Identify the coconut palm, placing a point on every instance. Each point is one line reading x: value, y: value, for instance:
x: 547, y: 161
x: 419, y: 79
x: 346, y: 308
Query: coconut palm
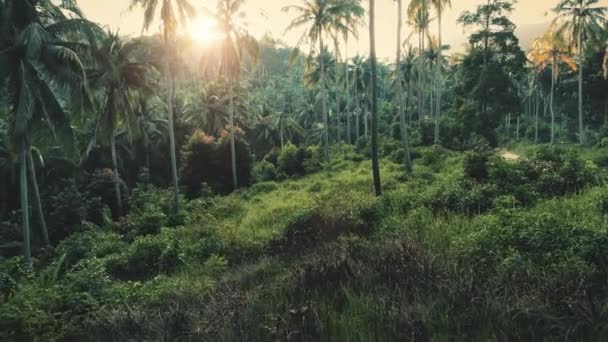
x: 582, y: 21
x: 551, y: 49
x: 374, y: 90
x: 39, y: 68
x: 345, y: 26
x: 399, y: 84
x: 419, y: 20
x: 320, y: 18
x: 172, y: 12
x: 118, y: 74
x: 440, y: 7
x: 236, y: 43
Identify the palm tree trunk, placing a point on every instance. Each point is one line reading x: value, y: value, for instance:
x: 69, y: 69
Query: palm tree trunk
x: 235, y: 182
x: 537, y: 110
x: 581, y: 126
x: 337, y: 84
x: 374, y: 109
x: 420, y: 67
x: 404, y: 130
x: 439, y: 80
x: 115, y: 174
x: 281, y: 124
x: 25, y: 206
x: 551, y: 100
x: 324, y: 101
x: 347, y: 88
x: 37, y: 200
x: 170, y: 98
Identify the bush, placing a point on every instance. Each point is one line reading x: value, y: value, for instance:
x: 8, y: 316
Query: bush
x: 100, y: 184
x: 264, y: 172
x: 146, y: 257
x: 297, y: 161
x: 205, y: 160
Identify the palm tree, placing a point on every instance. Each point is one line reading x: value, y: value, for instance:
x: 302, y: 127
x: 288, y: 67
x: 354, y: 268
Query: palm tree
x: 39, y: 69
x: 420, y: 20
x: 171, y: 12
x: 399, y: 83
x: 551, y: 49
x: 345, y: 25
x: 374, y: 110
x: 582, y: 21
x: 236, y: 42
x: 440, y: 7
x: 119, y: 74
x: 321, y: 18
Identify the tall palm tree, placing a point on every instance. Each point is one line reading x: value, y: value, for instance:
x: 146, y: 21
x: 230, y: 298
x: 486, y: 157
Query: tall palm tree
x: 237, y: 41
x: 345, y: 26
x: 171, y: 13
x: 419, y: 20
x: 399, y: 82
x: 39, y: 68
x: 582, y: 21
x: 440, y: 7
x: 119, y: 75
x: 551, y: 49
x: 374, y: 110
x: 320, y: 18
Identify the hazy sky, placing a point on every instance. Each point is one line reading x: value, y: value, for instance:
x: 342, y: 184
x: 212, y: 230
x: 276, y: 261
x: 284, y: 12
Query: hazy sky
x: 264, y: 16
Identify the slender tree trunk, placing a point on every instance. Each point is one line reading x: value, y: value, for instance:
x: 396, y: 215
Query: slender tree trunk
x: 281, y: 130
x: 147, y: 147
x: 374, y: 110
x: 517, y: 130
x: 581, y: 125
x: 439, y: 78
x: 337, y: 85
x: 235, y: 180
x: 115, y: 174
x: 404, y: 128
x: 551, y: 102
x: 347, y: 88
x: 170, y: 114
x: 37, y: 200
x: 358, y: 123
x: 25, y: 206
x: 324, y: 101
x: 409, y: 101
x: 537, y: 110
x: 420, y: 73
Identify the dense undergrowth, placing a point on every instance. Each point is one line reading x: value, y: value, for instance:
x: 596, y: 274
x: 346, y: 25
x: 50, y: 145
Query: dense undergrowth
x: 468, y: 247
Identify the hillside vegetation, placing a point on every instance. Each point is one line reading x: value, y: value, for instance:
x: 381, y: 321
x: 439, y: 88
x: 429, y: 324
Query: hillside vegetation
x: 470, y: 246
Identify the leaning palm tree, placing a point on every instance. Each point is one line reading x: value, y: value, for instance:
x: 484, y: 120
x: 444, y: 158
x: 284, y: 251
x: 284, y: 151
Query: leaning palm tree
x: 320, y: 18
x: 118, y: 74
x: 399, y: 82
x: 237, y: 41
x: 583, y: 22
x: 551, y: 49
x: 171, y: 13
x: 39, y: 69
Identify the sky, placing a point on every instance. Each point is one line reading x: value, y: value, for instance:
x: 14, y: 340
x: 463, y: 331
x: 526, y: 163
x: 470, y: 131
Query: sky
x: 265, y: 16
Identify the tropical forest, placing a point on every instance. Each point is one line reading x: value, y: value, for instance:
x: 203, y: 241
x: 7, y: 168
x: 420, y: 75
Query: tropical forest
x: 303, y: 170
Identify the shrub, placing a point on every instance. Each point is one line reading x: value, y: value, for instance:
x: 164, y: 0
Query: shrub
x: 100, y: 184
x: 264, y: 172
x: 146, y: 257
x: 205, y: 160
x: 297, y: 161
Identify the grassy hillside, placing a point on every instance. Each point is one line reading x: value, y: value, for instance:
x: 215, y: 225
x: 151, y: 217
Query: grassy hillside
x: 468, y: 247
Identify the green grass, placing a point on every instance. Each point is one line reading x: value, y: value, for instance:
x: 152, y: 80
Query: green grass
x: 320, y: 258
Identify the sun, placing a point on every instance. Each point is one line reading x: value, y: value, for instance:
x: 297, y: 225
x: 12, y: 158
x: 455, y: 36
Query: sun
x: 204, y: 30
